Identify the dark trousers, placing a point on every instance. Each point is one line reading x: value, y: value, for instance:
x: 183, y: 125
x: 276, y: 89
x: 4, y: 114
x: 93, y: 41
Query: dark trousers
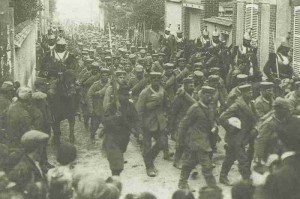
x: 191, y: 159
x: 150, y: 151
x: 233, y: 153
x: 95, y: 122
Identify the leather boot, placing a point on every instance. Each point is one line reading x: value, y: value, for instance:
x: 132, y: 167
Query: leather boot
x: 184, y: 176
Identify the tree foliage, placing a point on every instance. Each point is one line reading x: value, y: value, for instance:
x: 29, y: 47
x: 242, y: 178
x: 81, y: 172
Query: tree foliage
x: 126, y: 13
x: 25, y: 9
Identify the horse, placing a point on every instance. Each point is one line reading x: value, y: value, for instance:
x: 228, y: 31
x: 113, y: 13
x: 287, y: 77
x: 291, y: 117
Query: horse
x: 63, y: 103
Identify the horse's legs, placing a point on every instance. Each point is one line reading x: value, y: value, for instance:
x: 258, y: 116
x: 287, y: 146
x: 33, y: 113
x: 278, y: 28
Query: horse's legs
x: 56, y: 133
x: 71, y: 121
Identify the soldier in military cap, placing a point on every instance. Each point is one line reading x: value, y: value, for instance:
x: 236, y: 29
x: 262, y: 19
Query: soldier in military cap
x: 182, y: 101
x: 95, y: 97
x: 137, y: 83
x: 28, y: 170
x: 194, y: 130
x: 151, y: 107
x: 118, y: 124
x: 203, y: 41
x: 264, y: 103
x: 108, y: 61
x: 199, y: 79
x: 239, y: 121
x: 235, y: 92
x: 158, y: 65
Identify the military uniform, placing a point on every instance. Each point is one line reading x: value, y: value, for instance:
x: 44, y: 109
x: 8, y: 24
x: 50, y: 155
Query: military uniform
x: 194, y: 131
x: 95, y: 98
x: 151, y: 107
x: 236, y: 138
x: 117, y: 130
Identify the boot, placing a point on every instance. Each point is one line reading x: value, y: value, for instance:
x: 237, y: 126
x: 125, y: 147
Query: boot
x: 177, y: 157
x: 151, y: 172
x: 224, y: 180
x: 184, y: 176
x: 168, y: 155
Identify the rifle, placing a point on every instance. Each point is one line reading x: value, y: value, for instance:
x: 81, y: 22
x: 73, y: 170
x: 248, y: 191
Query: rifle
x: 115, y: 99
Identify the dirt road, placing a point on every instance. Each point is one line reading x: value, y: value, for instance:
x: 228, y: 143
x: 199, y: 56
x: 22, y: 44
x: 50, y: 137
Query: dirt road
x: 134, y: 177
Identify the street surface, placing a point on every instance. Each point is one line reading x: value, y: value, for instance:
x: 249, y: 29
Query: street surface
x: 134, y: 177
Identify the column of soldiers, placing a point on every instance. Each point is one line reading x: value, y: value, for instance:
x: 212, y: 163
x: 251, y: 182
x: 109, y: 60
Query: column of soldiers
x: 157, y: 95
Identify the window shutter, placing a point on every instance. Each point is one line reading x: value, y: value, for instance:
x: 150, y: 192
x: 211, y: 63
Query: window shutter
x: 251, y: 20
x: 296, y: 42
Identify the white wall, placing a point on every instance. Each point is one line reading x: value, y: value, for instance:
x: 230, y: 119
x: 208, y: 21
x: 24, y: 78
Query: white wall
x: 195, y: 20
x: 173, y: 15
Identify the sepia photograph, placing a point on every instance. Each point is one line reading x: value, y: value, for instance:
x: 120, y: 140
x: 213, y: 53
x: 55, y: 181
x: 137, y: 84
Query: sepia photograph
x: 149, y: 99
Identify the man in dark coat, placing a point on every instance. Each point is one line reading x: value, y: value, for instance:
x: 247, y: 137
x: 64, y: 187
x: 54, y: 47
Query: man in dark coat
x: 6, y: 95
x: 239, y: 121
x: 152, y: 108
x: 118, y: 125
x: 28, y: 170
x: 194, y: 131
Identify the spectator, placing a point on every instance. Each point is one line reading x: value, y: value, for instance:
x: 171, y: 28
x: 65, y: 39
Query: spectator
x: 146, y: 195
x: 242, y: 190
x: 60, y: 177
x: 183, y: 194
x: 212, y: 192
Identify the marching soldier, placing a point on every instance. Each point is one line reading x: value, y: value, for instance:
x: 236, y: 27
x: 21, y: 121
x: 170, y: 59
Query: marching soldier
x: 137, y: 83
x: 264, y: 103
x: 235, y: 92
x: 158, y: 66
x: 151, y: 107
x: 194, y: 130
x: 183, y: 100
x: 118, y: 124
x: 95, y: 98
x: 239, y: 121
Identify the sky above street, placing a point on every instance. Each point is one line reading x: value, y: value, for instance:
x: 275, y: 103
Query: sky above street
x: 77, y: 10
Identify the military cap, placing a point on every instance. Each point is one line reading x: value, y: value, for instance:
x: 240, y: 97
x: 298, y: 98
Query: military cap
x: 107, y: 52
x: 179, y: 32
x: 154, y: 55
x: 155, y: 74
x: 214, y: 70
x: 266, y: 85
x: 120, y: 73
x: 132, y: 56
x: 89, y: 61
x: 24, y: 93
x: 33, y: 139
x: 297, y: 84
x: 7, y: 86
x: 95, y: 65
x: 116, y: 56
x: 62, y: 41
x: 132, y: 47
x: 245, y: 88
x: 181, y: 59
x: 85, y: 49
x: 208, y: 89
x: 139, y: 68
x: 161, y: 54
x: 142, y: 51
x: 51, y: 36
x: 213, y: 78
x: 198, y: 64
x: 104, y: 70
x: 198, y: 73
x: 80, y: 44
x: 169, y: 66
x: 108, y: 58
x: 188, y: 80
x: 281, y: 103
x: 242, y: 76
x: 91, y: 50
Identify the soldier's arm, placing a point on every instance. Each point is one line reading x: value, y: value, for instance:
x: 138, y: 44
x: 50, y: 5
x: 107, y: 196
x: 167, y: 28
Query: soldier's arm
x: 259, y: 109
x: 141, y: 104
x: 101, y: 92
x: 107, y: 98
x: 185, y: 123
x: 230, y: 112
x: 89, y: 97
x: 264, y: 134
x: 175, y: 109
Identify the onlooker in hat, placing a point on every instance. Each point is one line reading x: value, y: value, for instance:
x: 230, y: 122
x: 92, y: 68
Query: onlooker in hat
x: 60, y: 177
x: 19, y: 117
x: 146, y: 195
x: 28, y: 170
x: 242, y: 190
x: 213, y: 192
